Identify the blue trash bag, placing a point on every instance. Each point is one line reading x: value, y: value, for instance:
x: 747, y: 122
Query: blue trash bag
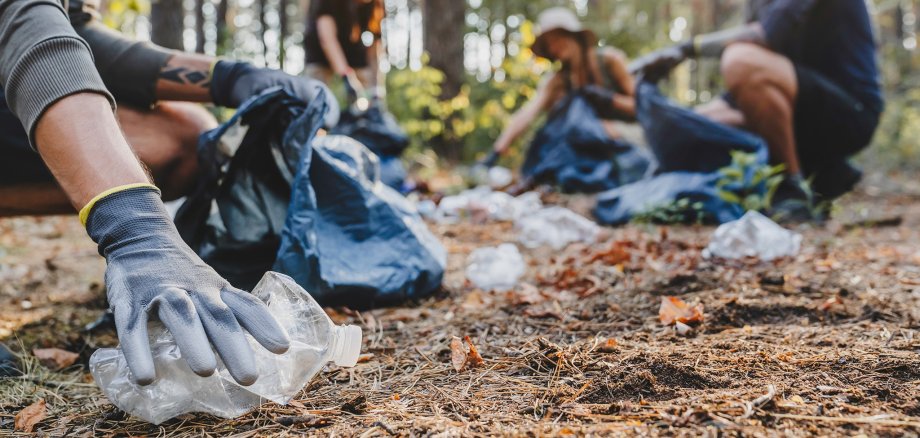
x: 393, y: 173
x: 378, y: 130
x: 689, y: 150
x: 262, y: 181
x: 574, y: 151
x: 351, y: 240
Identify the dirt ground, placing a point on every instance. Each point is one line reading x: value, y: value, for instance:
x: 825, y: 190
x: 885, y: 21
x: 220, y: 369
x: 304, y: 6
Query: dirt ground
x: 827, y: 343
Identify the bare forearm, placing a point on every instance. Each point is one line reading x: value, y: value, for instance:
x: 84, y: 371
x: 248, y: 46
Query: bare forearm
x: 86, y: 162
x: 515, y: 128
x: 328, y: 39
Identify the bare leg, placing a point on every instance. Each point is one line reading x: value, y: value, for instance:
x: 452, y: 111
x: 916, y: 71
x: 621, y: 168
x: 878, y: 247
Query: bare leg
x: 164, y: 139
x: 764, y: 86
x: 720, y: 111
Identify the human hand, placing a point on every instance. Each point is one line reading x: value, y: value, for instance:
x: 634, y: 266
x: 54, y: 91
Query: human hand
x: 658, y: 64
x: 150, y: 270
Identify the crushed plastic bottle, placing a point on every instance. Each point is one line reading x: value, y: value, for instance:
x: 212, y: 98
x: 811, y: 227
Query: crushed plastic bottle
x: 556, y: 227
x: 754, y: 235
x: 315, y: 341
x: 500, y: 177
x: 493, y: 268
x: 498, y: 206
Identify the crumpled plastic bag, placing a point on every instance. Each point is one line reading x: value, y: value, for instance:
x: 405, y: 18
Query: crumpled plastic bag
x: 498, y: 206
x: 315, y: 341
x: 754, y: 235
x: 556, y: 227
x: 495, y: 268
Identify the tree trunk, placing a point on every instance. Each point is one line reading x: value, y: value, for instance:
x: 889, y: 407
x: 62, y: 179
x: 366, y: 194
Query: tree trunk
x: 199, y: 26
x: 223, y: 33
x: 444, y: 22
x: 166, y: 25
x: 282, y: 31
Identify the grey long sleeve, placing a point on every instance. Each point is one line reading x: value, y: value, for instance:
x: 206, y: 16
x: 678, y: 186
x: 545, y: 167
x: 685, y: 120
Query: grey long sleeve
x: 42, y: 60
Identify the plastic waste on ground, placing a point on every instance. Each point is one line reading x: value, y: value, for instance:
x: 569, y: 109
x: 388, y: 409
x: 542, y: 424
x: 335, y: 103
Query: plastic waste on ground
x: 377, y: 129
x: 689, y: 151
x: 754, y: 235
x: 493, y: 205
x: 495, y: 268
x: 315, y: 342
x: 556, y: 227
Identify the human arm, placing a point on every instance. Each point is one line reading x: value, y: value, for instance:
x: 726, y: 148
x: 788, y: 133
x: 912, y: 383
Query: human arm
x: 524, y: 117
x: 619, y: 104
x: 54, y: 89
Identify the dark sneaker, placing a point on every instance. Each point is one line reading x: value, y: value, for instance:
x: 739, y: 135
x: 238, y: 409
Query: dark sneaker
x: 793, y: 202
x: 9, y: 364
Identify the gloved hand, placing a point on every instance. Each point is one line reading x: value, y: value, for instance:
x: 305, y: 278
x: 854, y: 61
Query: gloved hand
x: 599, y: 97
x: 490, y: 160
x: 658, y: 64
x: 232, y: 83
x: 152, y: 271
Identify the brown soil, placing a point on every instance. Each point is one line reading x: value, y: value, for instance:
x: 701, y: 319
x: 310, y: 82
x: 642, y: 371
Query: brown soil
x: 827, y: 343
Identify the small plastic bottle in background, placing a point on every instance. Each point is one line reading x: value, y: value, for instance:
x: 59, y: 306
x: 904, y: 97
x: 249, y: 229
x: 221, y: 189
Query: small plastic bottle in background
x: 315, y: 341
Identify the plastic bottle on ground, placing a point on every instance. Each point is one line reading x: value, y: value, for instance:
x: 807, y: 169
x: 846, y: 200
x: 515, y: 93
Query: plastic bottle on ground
x: 315, y: 341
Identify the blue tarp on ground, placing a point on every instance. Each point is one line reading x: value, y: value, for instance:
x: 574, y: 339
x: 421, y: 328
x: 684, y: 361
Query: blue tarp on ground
x: 273, y: 198
x: 575, y: 152
x: 689, y: 150
x: 378, y: 130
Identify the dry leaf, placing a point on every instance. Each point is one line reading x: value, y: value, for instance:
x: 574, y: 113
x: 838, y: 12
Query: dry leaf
x: 610, y: 346
x: 674, y: 310
x: 27, y: 418
x: 458, y: 354
x: 55, y: 358
x: 473, y: 358
x: 825, y: 306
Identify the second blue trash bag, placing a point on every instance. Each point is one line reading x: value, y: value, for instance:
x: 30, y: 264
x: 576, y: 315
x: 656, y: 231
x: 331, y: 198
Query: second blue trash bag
x: 574, y: 151
x: 269, y: 200
x: 689, y: 150
x: 378, y: 130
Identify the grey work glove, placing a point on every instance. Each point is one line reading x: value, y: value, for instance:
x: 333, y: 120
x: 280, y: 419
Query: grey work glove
x: 152, y: 271
x: 233, y: 83
x: 658, y: 64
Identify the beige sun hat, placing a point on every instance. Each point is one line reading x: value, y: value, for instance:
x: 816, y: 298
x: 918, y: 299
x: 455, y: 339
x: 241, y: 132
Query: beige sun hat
x: 559, y: 19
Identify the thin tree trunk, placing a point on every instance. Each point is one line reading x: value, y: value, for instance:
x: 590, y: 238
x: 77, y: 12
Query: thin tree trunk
x: 444, y: 21
x: 282, y: 30
x: 166, y: 18
x: 263, y: 26
x: 223, y: 34
x: 199, y: 26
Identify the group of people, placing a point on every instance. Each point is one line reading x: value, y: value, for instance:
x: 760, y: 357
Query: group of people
x: 94, y: 122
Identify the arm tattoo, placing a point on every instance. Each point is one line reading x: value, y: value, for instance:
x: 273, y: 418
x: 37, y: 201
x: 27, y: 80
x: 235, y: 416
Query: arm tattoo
x: 186, y: 76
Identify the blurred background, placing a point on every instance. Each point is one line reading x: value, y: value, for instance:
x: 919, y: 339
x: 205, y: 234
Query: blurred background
x: 457, y: 69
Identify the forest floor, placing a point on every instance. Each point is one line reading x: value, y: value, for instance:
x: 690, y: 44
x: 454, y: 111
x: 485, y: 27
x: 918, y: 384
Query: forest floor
x: 827, y: 343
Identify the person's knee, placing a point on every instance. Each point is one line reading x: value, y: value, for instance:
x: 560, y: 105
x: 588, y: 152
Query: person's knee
x: 187, y: 121
x: 749, y: 67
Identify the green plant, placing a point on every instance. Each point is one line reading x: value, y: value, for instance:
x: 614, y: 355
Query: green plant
x: 681, y: 211
x: 748, y: 184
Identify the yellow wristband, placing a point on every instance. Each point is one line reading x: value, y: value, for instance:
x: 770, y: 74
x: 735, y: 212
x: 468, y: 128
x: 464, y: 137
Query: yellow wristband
x: 697, y: 45
x: 85, y: 211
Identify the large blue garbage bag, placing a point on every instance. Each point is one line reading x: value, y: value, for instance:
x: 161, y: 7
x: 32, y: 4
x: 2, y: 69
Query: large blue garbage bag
x: 350, y: 239
x: 378, y: 130
x: 269, y: 201
x: 574, y: 151
x: 689, y: 150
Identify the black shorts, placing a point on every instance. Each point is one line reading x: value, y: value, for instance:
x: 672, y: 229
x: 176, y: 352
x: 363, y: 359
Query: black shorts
x: 19, y: 163
x: 830, y: 123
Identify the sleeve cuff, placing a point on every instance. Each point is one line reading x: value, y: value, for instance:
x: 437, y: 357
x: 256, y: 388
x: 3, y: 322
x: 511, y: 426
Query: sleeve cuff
x: 48, y: 72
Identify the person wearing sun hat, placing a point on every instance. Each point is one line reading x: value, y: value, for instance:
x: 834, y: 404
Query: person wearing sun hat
x: 600, y: 73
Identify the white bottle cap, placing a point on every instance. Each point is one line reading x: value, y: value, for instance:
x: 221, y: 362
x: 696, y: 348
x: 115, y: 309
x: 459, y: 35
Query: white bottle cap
x: 347, y: 346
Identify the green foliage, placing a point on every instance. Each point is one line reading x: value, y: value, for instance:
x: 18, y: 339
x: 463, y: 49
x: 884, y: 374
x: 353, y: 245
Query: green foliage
x: 681, y: 211
x: 897, y: 141
x: 744, y: 183
x: 747, y: 184
x: 473, y: 118
x: 122, y: 15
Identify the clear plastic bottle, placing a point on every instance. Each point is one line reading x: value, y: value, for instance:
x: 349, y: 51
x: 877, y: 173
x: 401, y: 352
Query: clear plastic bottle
x: 315, y: 341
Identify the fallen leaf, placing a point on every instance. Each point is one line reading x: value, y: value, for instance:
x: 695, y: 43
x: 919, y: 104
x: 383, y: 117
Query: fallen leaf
x: 609, y: 346
x: 458, y: 354
x: 675, y: 310
x: 27, y: 418
x: 825, y: 306
x: 682, y: 329
x: 55, y: 358
x: 473, y: 358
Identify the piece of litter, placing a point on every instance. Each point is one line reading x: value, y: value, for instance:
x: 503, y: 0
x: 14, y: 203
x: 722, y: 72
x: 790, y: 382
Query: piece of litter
x: 682, y: 329
x: 315, y: 341
x: 556, y: 227
x: 495, y: 268
x: 754, y: 235
x: 675, y: 310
